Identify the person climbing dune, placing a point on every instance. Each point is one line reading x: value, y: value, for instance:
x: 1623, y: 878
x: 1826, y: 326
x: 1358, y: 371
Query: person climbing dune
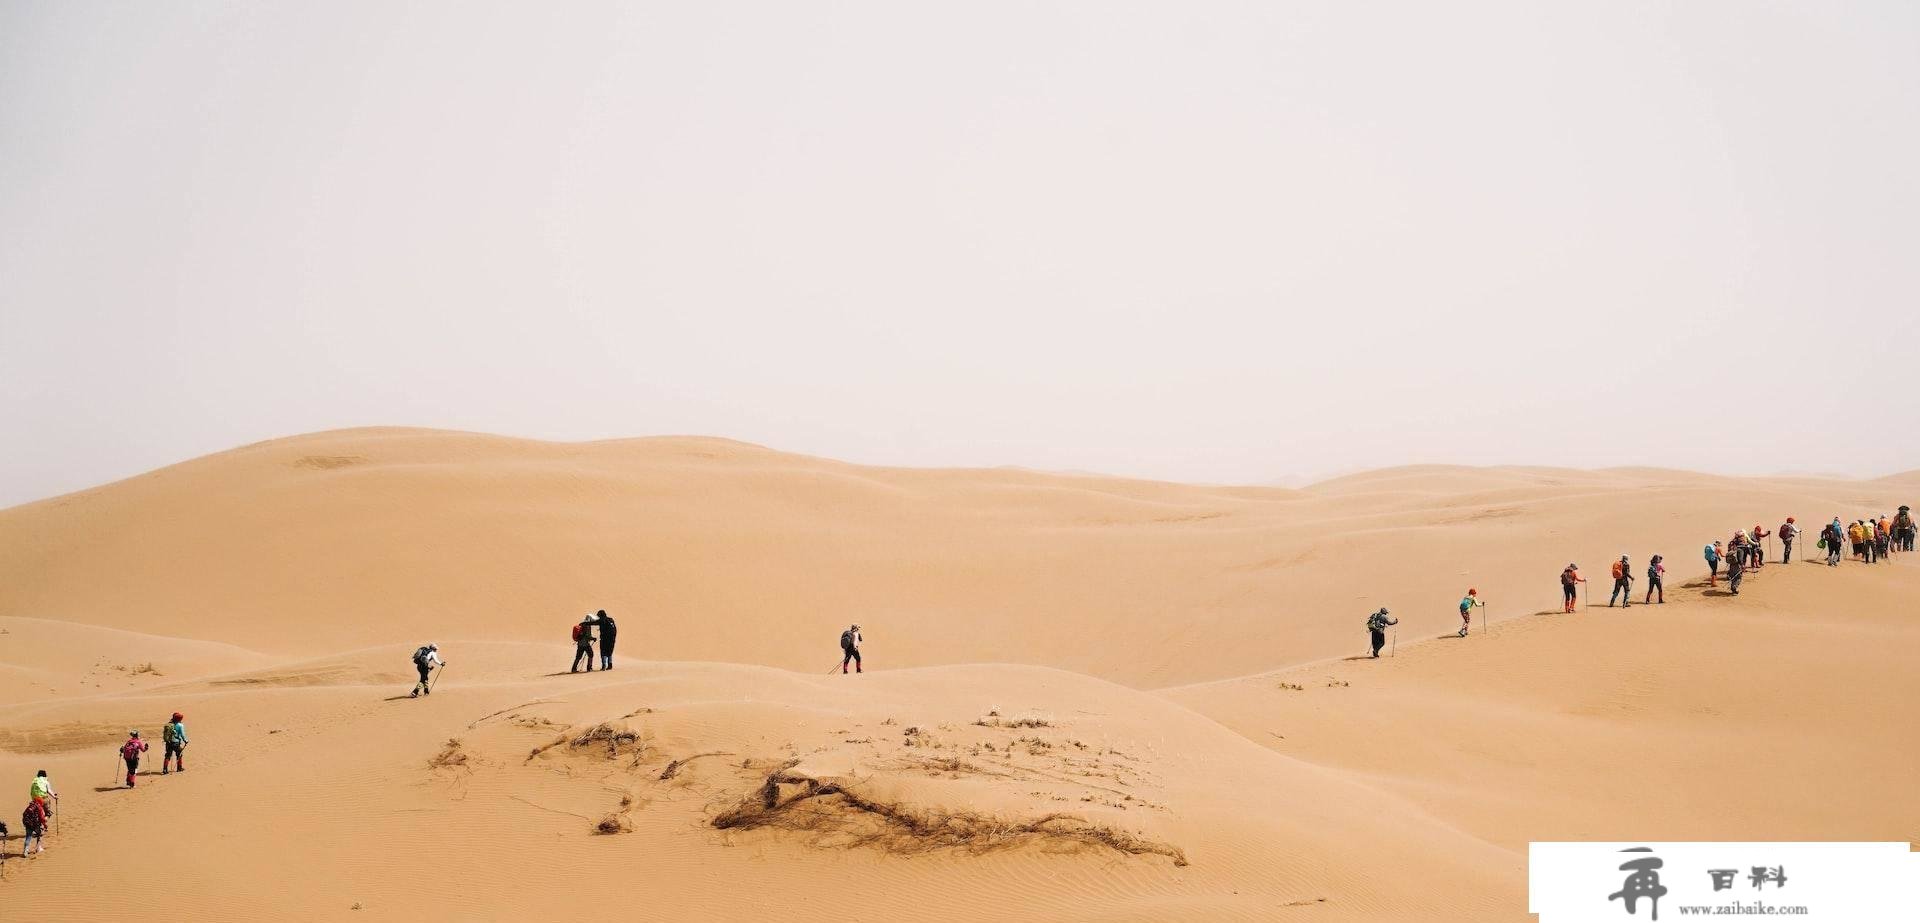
x: 1467, y: 604
x: 425, y: 658
x: 1377, y: 629
x: 1570, y: 581
x: 34, y: 822
x: 1622, y: 584
x: 1788, y: 532
x: 850, y: 641
x: 130, y: 751
x: 1713, y: 555
x: 173, y: 740
x: 609, y: 632
x: 1656, y: 572
x: 583, y: 645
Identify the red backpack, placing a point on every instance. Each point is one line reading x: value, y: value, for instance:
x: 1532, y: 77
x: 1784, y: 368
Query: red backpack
x: 132, y: 748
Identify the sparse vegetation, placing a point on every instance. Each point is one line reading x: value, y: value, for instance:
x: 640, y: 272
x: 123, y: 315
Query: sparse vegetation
x: 839, y: 816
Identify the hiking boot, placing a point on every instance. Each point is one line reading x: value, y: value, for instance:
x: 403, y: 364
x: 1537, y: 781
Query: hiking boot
x: 1463, y: 632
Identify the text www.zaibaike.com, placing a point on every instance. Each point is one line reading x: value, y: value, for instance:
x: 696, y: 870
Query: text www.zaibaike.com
x: 1756, y: 908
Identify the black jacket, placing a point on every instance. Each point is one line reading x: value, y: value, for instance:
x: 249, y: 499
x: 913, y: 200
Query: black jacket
x: 608, y: 630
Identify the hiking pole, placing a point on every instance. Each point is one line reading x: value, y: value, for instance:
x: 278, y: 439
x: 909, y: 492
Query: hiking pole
x: 435, y: 677
x: 1395, y: 650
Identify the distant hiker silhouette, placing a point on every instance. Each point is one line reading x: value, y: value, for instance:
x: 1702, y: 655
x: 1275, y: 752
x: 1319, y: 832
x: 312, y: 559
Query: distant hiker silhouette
x: 608, y: 632
x: 583, y: 645
x: 850, y: 641
x: 425, y: 658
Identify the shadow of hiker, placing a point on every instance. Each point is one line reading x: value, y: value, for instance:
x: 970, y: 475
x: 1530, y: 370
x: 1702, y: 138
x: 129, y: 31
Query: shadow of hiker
x: 396, y: 698
x: 1361, y: 657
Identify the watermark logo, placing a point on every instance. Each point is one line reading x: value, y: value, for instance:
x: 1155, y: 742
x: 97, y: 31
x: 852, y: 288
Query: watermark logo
x: 1831, y: 881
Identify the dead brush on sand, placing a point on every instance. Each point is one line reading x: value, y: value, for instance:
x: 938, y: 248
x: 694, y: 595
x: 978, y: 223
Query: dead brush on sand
x: 617, y: 738
x: 449, y: 757
x: 1025, y: 721
x: 835, y: 815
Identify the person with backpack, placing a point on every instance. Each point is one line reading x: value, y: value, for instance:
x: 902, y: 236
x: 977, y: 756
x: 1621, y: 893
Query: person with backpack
x: 1758, y: 558
x: 1570, y: 581
x: 1903, y: 528
x: 1713, y: 564
x: 583, y: 645
x: 1377, y: 629
x: 173, y: 740
x: 1737, y: 564
x: 130, y: 751
x: 425, y: 658
x: 1788, y: 532
x: 1655, y: 571
x: 608, y: 633
x: 1622, y: 583
x: 850, y: 641
x: 34, y: 821
x: 1832, y: 536
x: 42, y: 791
x: 1467, y: 603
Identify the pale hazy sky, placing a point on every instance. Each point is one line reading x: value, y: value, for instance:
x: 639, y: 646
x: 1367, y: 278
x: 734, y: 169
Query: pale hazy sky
x: 1201, y: 241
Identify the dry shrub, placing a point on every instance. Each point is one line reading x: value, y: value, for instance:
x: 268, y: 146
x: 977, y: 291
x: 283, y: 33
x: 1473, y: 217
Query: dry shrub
x: 674, y: 767
x: 616, y: 738
x: 613, y: 824
x: 1030, y: 721
x: 449, y: 756
x: 836, y: 814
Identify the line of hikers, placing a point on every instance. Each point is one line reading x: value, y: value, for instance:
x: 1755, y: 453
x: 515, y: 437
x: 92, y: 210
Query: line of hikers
x: 43, y: 800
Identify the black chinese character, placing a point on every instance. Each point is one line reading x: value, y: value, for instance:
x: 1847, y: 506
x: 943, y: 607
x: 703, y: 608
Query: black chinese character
x: 1722, y: 878
x: 1644, y: 882
x: 1761, y: 875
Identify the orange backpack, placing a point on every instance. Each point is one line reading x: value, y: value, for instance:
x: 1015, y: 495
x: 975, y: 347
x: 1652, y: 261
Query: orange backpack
x: 1619, y: 569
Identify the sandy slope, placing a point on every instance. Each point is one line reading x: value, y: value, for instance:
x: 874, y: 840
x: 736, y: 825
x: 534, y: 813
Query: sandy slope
x: 274, y: 592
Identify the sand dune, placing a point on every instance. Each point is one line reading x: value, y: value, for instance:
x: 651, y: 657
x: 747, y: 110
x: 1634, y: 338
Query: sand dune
x: 1090, y: 698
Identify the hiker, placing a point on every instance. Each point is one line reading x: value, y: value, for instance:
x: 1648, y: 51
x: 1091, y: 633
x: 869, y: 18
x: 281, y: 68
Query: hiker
x: 1855, y: 542
x: 1903, y: 528
x: 608, y: 632
x: 1880, y: 539
x: 850, y: 641
x: 42, y: 791
x: 1377, y: 629
x: 1831, y: 536
x: 130, y: 751
x: 34, y: 820
x: 1758, y: 557
x: 425, y: 658
x: 1570, y: 580
x: 1737, y: 564
x: 1788, y: 532
x: 1737, y: 548
x: 1467, y: 603
x: 1622, y: 583
x: 1656, y: 571
x: 173, y: 740
x: 1713, y: 564
x: 583, y: 644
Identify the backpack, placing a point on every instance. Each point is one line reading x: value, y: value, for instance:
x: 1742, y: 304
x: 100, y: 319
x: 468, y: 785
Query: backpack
x: 846, y: 639
x: 170, y: 733
x: 420, y: 657
x: 1619, y: 569
x: 1376, y: 622
x: 30, y: 818
x: 1566, y: 578
x: 131, y: 749
x: 578, y: 630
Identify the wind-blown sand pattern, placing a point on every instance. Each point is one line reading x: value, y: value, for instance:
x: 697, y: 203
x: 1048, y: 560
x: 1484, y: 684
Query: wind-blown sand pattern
x: 1086, y: 698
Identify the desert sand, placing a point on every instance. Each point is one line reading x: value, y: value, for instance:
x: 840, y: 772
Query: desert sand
x: 1087, y: 698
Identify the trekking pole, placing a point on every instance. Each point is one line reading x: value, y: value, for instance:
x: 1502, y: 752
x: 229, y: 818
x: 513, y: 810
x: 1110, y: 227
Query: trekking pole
x: 435, y: 677
x: 1395, y: 651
